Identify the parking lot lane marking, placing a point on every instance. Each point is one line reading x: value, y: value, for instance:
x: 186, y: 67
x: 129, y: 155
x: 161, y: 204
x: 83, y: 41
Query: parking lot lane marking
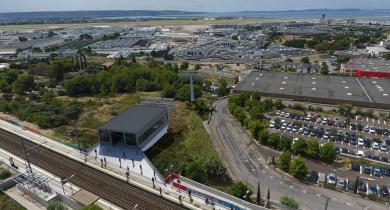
x: 291, y: 187
x: 373, y: 121
x: 367, y: 119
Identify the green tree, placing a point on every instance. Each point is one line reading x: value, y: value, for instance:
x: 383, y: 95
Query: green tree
x: 356, y: 186
x: 290, y: 202
x: 23, y: 84
x: 263, y: 137
x: 222, y: 88
x: 185, y: 66
x: 284, y: 160
x: 305, y: 60
x: 273, y: 140
x: 279, y: 104
x: 197, y: 67
x: 298, y: 168
x: 258, y: 196
x: 285, y: 143
x: 300, y: 146
x: 328, y: 152
x: 312, y: 149
x: 241, y: 190
x: 324, y: 68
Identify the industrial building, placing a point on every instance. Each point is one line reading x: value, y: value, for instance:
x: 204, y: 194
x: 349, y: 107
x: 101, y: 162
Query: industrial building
x: 363, y: 92
x: 208, y: 74
x: 140, y: 126
x: 367, y: 68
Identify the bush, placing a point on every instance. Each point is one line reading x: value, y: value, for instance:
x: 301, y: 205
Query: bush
x: 4, y: 173
x: 328, y: 153
x: 298, y: 168
x: 284, y: 161
x: 91, y: 207
x: 56, y: 205
x: 290, y: 202
x: 241, y: 190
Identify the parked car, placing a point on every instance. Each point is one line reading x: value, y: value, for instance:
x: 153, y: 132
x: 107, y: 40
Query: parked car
x: 321, y: 178
x: 369, y: 155
x: 383, y: 147
x: 384, y: 191
x: 367, y: 142
x: 341, y: 183
x: 375, y: 145
x: 350, y: 185
x: 360, y: 142
x: 312, y: 176
x: 386, y: 171
x: 377, y: 172
x: 366, y: 128
x: 301, y: 130
x: 355, y: 166
x: 331, y: 178
x: 284, y: 126
x: 367, y: 169
x: 362, y: 187
x: 372, y: 130
x: 272, y: 124
x: 372, y: 189
x: 360, y: 153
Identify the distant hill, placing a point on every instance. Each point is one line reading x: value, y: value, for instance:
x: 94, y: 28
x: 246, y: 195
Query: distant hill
x: 305, y: 10
x: 80, y: 16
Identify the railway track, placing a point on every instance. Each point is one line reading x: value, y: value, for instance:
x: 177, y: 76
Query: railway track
x: 107, y: 187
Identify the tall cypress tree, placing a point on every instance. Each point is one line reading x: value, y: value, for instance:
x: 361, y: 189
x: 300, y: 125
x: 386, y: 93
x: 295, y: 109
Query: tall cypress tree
x: 258, y: 193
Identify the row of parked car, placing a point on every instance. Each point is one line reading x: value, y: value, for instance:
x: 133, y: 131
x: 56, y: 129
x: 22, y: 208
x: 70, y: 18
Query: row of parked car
x: 334, y: 122
x: 331, y: 135
x: 369, y: 188
x: 362, y: 154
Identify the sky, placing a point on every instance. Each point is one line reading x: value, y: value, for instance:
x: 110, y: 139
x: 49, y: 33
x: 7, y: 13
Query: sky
x: 187, y: 5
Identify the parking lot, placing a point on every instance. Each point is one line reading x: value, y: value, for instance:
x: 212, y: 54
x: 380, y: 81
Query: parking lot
x: 365, y: 138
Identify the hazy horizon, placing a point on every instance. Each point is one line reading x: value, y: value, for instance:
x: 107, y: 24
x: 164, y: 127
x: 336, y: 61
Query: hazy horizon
x: 188, y: 5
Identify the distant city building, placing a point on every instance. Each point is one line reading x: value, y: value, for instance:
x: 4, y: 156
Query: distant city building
x: 367, y: 68
x: 230, y: 77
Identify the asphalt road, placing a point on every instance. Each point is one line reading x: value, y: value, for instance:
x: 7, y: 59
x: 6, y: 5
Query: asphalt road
x: 245, y: 161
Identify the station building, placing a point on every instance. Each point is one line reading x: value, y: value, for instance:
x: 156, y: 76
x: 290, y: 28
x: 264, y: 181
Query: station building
x: 140, y: 126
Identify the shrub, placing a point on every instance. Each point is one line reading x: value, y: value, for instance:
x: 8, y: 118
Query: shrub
x: 290, y: 202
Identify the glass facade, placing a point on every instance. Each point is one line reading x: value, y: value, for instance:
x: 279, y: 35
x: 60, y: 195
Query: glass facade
x: 131, y: 139
x: 104, y: 136
x: 151, y: 130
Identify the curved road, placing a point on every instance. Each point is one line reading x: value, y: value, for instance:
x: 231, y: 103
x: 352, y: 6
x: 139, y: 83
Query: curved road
x: 245, y: 162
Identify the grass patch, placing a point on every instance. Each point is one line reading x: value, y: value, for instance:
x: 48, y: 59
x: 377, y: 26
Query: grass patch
x: 7, y: 203
x: 187, y: 149
x: 96, y: 111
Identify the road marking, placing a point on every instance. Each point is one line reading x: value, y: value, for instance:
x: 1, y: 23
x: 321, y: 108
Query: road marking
x: 357, y: 79
x: 291, y: 187
x: 349, y: 204
x: 318, y: 195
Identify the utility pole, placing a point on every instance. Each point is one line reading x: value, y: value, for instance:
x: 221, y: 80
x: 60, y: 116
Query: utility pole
x: 26, y: 156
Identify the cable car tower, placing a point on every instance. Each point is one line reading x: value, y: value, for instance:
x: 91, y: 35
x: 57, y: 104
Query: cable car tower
x: 190, y: 75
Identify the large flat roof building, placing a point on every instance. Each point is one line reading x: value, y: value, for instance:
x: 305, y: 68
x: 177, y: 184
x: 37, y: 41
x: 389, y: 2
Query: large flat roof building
x: 140, y: 126
x: 364, y: 92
